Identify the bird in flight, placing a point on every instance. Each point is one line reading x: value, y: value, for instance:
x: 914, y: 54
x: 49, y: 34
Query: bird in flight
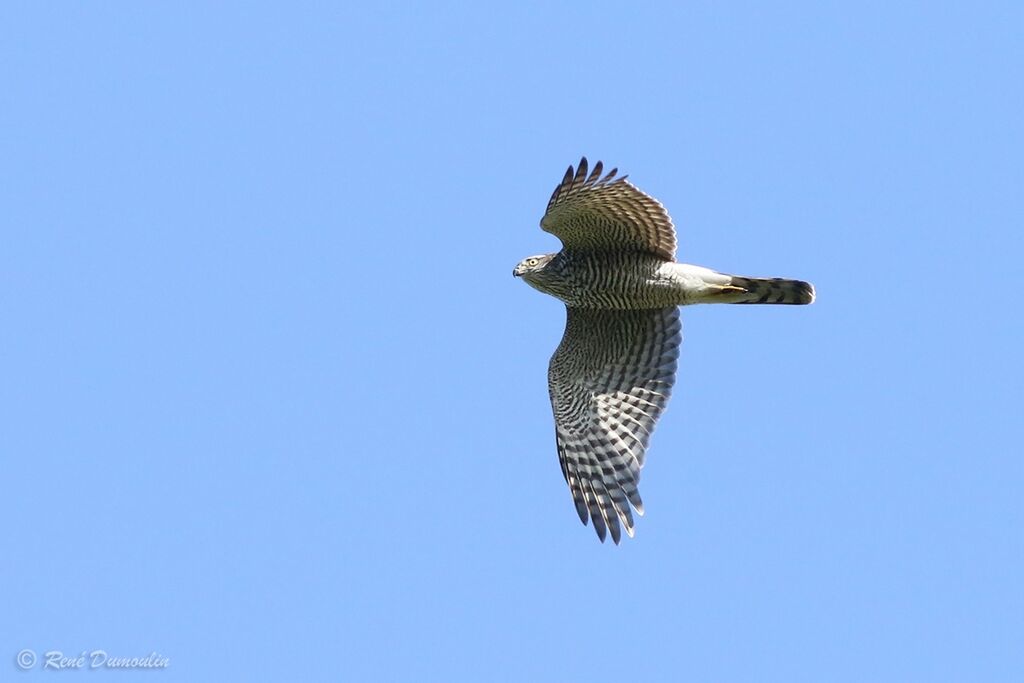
x: 611, y: 376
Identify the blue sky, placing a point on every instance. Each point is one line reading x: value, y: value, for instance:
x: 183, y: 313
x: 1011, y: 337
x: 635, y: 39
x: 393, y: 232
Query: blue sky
x: 274, y: 407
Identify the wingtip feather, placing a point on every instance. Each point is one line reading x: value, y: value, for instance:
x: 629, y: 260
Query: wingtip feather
x: 581, y: 172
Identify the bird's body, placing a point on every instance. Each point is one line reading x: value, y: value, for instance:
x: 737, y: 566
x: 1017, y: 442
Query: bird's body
x: 611, y: 377
x: 609, y: 279
x: 636, y: 280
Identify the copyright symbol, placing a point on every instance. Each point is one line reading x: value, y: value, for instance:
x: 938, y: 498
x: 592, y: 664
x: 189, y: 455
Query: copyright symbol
x: 26, y: 659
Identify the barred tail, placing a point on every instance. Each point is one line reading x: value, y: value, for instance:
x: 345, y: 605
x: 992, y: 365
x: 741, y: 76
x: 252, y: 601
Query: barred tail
x: 776, y: 290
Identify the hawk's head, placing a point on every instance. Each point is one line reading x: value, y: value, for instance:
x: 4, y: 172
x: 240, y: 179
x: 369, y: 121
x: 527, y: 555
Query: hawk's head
x: 532, y: 264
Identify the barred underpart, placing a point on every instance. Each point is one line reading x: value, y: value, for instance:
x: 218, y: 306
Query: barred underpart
x: 610, y: 380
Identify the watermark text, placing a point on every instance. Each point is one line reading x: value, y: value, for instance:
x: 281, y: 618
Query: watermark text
x: 56, y: 660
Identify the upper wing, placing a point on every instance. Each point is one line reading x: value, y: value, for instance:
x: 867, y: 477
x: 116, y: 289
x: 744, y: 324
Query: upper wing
x: 609, y: 381
x: 591, y: 212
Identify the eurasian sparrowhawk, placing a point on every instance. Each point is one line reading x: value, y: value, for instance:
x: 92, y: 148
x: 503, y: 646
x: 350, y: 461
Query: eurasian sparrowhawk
x: 612, y: 375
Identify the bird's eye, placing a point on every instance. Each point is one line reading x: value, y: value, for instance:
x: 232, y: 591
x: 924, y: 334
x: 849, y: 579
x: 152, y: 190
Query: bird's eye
x: 531, y: 262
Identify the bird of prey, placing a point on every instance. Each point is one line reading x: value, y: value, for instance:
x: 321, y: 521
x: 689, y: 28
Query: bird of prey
x: 611, y: 376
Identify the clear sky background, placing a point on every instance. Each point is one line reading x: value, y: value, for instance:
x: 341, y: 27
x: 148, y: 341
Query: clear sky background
x: 274, y: 407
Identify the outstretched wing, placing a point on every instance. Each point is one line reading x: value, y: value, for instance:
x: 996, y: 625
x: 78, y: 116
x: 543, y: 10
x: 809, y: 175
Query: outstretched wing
x: 609, y: 381
x: 595, y: 212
